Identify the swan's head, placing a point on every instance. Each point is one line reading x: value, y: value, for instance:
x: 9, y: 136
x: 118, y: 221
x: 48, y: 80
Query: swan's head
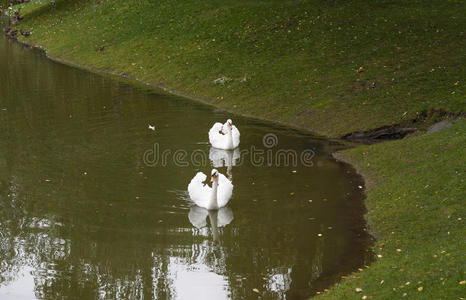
x: 230, y: 123
x: 214, y: 175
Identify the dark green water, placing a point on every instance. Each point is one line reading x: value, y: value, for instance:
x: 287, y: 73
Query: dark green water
x: 83, y: 216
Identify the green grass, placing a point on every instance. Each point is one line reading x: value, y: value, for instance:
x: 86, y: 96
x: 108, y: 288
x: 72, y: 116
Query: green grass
x: 416, y: 203
x: 299, y: 58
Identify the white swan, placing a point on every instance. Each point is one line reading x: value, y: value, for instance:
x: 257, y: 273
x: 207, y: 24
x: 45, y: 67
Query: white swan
x: 224, y: 136
x: 208, y: 197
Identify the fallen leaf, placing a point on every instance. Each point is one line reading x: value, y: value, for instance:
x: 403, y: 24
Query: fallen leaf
x: 255, y: 291
x: 358, y: 290
x: 420, y: 288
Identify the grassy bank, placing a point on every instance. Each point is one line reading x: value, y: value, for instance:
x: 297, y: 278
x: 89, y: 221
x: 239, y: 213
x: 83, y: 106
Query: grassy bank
x: 416, y: 206
x: 331, y: 67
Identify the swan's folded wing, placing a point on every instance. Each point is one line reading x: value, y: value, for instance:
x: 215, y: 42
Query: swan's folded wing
x: 197, y: 190
x: 235, y: 135
x: 200, y: 177
x: 225, y: 190
x: 224, y: 217
x: 217, y: 128
x: 215, y: 137
x: 197, y: 216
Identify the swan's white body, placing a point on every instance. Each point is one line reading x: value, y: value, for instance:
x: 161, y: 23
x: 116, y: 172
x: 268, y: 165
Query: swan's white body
x: 224, y: 136
x: 208, y: 197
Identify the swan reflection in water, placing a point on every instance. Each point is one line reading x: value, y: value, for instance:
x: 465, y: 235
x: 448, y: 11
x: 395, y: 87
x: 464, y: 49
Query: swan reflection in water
x: 224, y: 158
x: 218, y: 218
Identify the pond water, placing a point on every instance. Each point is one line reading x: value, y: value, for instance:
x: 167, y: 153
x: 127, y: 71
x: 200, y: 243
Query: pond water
x: 93, y: 203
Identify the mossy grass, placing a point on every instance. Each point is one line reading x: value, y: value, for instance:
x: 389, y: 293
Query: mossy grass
x: 332, y: 67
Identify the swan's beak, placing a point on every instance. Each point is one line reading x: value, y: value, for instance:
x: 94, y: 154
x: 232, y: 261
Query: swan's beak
x: 231, y: 126
x: 212, y: 178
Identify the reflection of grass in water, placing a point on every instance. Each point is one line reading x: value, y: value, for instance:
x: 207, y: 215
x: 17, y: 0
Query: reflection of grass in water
x: 416, y: 204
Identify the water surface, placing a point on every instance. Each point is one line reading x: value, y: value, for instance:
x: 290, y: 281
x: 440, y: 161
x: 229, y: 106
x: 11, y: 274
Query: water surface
x: 84, y: 216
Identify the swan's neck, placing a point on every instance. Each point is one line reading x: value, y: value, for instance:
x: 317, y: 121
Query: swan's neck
x: 213, y: 197
x: 230, y: 138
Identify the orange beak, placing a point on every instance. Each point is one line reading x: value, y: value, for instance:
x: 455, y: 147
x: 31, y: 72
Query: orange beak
x: 231, y: 126
x: 212, y: 178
